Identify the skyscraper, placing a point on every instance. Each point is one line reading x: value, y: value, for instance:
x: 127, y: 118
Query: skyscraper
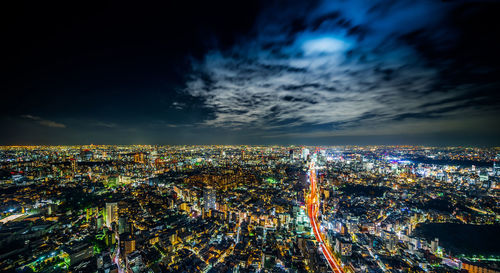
x: 73, y: 165
x: 111, y: 213
x: 122, y: 225
x: 209, y: 198
x: 434, y: 245
x: 305, y: 153
x: 496, y: 165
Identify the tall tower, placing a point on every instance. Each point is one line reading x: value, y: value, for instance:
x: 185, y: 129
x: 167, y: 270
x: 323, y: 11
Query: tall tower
x: 111, y: 213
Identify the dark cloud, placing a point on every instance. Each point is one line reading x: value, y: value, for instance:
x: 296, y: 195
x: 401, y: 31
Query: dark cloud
x: 347, y: 63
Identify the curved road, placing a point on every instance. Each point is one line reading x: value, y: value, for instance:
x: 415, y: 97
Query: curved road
x: 312, y: 211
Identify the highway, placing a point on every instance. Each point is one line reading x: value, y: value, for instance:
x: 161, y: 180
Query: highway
x: 312, y: 211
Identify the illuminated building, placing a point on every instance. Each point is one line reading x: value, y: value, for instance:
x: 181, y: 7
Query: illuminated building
x: 51, y: 208
x: 88, y: 214
x: 305, y: 153
x: 184, y: 207
x: 110, y: 239
x: 154, y: 240
x: 128, y: 245
x: 86, y: 155
x: 73, y: 165
x: 139, y: 158
x: 343, y: 247
x: 496, y: 165
x: 111, y: 213
x: 99, y: 222
x: 471, y: 267
x: 434, y: 245
x: 209, y: 198
x: 122, y: 225
x: 79, y: 252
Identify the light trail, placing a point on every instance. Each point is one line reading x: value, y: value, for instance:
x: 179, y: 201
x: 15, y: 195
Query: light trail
x: 116, y: 258
x: 312, y: 211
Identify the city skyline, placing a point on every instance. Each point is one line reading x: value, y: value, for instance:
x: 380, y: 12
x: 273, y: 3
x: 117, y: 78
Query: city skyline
x: 245, y: 209
x: 283, y: 136
x: 256, y: 72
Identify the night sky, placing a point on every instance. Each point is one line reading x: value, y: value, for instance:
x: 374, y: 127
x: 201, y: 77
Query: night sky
x: 236, y: 72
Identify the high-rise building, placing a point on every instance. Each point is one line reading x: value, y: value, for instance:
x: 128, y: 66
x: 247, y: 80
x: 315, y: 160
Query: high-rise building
x: 496, y: 165
x: 209, y: 198
x: 435, y: 245
x: 88, y: 214
x: 111, y: 213
x: 122, y: 225
x: 305, y: 153
x: 343, y: 247
x: 99, y: 222
x: 73, y: 165
x: 110, y: 238
x: 129, y: 246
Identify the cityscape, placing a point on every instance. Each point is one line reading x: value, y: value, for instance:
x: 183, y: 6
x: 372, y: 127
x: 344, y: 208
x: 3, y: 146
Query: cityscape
x: 250, y: 136
x: 156, y: 208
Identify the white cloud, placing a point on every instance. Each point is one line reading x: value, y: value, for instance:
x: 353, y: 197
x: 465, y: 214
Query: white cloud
x: 322, y: 79
x: 324, y: 45
x: 44, y: 122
